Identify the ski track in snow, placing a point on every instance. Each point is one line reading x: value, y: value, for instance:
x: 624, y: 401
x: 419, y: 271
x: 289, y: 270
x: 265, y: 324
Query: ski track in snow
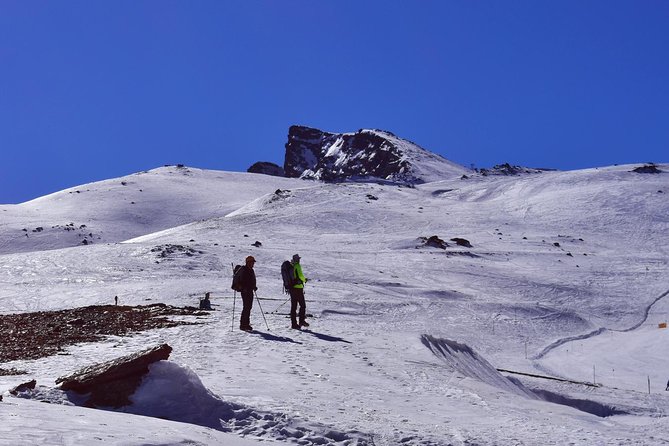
x: 599, y: 331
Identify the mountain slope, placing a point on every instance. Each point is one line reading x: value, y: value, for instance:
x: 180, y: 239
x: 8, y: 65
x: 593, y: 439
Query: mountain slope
x: 118, y: 209
x: 566, y: 271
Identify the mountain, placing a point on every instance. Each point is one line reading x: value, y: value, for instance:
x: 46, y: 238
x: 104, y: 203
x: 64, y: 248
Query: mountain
x: 122, y: 208
x: 545, y: 330
x: 363, y: 155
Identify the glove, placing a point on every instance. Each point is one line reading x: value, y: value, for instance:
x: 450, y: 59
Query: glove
x: 255, y: 289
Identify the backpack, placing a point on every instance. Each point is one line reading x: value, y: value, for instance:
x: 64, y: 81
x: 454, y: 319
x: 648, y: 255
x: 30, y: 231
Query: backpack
x: 288, y: 275
x: 236, y: 278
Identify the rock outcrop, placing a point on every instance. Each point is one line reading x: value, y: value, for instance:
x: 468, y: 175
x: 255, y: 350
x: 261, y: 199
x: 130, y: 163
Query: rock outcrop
x: 266, y: 168
x: 647, y: 168
x: 363, y: 155
x: 508, y: 170
x: 110, y: 384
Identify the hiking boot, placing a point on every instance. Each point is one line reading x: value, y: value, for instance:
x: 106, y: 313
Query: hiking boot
x: 295, y: 327
x: 246, y: 328
x: 304, y: 324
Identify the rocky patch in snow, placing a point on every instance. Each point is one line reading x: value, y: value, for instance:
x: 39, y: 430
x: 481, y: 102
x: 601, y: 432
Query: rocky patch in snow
x: 11, y: 372
x: 45, y: 333
x: 508, y: 169
x: 647, y: 168
x: 436, y: 242
x: 87, y: 237
x: 169, y: 252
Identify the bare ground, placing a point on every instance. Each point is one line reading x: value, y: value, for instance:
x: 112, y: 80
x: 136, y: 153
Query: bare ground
x: 36, y: 335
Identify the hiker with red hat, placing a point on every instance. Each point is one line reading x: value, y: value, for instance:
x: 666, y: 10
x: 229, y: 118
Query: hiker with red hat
x: 247, y: 286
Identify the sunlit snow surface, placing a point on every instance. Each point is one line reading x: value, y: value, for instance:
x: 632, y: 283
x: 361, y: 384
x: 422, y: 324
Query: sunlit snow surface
x: 567, y: 277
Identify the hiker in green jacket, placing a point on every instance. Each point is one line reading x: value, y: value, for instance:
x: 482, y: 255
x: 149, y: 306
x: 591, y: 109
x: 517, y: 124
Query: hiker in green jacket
x: 297, y: 296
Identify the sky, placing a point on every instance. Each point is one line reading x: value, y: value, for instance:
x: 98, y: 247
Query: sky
x: 96, y: 90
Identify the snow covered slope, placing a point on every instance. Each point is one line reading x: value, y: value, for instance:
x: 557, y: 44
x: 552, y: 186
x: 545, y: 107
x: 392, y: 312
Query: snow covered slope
x: 118, y: 209
x: 566, y: 277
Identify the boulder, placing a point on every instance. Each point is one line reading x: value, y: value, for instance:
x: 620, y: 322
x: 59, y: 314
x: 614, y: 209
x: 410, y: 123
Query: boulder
x: 435, y: 242
x: 461, y: 242
x: 266, y: 168
x: 110, y: 384
x: 25, y: 387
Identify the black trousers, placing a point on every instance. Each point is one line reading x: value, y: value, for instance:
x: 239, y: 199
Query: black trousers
x: 297, y: 298
x: 247, y: 301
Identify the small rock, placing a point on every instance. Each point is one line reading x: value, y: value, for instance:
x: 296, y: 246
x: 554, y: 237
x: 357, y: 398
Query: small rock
x: 30, y: 385
x: 461, y: 242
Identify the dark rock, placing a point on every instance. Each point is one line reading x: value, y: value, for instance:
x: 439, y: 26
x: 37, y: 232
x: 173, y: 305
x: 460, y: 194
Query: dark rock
x: 267, y: 168
x: 435, y: 242
x: 647, y: 168
x: 461, y: 242
x: 371, y: 197
x: 556, y: 244
x: 110, y: 384
x: 375, y: 155
x: 508, y: 169
x: 25, y: 387
x: 257, y: 244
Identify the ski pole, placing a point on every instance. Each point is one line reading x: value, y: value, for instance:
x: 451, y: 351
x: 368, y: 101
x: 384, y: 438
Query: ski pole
x: 261, y: 312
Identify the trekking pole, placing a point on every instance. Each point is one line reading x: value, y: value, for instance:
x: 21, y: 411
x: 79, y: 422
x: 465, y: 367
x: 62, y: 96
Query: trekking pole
x: 277, y: 308
x: 261, y: 312
x: 234, y: 298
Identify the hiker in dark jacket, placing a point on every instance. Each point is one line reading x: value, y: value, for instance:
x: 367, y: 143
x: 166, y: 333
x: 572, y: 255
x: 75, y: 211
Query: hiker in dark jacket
x: 297, y: 296
x: 247, y: 283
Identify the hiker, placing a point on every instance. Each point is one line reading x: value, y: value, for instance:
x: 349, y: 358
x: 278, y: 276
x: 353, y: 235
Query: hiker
x: 205, y: 304
x: 667, y: 387
x: 247, y: 285
x: 297, y: 296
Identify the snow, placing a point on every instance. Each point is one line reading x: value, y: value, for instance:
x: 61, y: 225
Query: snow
x: 567, y: 278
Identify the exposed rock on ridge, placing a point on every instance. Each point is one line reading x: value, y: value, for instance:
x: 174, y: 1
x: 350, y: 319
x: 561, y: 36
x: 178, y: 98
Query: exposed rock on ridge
x: 363, y: 155
x: 266, y: 168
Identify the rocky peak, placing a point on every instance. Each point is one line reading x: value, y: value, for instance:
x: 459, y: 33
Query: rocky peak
x: 363, y: 155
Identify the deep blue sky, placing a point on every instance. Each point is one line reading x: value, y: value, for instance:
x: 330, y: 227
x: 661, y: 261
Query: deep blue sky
x: 91, y: 90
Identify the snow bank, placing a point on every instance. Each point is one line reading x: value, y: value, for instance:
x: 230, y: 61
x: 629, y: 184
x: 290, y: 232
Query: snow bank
x: 174, y: 392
